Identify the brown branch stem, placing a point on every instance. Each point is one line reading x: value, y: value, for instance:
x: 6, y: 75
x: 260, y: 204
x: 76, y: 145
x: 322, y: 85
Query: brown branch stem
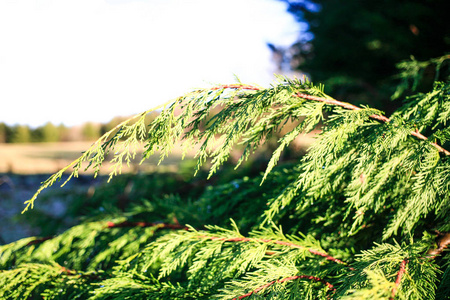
x: 400, y: 273
x: 39, y: 240
x: 332, y: 101
x: 235, y: 86
x: 442, y: 243
x: 329, y: 285
x: 70, y: 272
x: 146, y: 224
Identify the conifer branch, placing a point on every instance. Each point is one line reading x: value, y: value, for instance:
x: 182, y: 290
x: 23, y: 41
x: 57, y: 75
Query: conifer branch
x: 329, y: 100
x: 422, y: 137
x: 97, y: 152
x: 358, y: 172
x: 381, y: 118
x: 97, y: 149
x: 282, y: 243
x: 291, y: 278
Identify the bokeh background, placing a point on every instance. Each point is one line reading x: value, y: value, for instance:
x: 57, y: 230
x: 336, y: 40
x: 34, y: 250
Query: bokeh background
x: 72, y: 70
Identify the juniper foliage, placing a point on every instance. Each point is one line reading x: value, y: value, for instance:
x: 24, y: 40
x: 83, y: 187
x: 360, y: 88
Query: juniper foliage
x: 363, y: 215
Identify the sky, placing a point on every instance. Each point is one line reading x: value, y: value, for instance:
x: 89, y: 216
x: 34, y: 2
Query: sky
x: 73, y: 61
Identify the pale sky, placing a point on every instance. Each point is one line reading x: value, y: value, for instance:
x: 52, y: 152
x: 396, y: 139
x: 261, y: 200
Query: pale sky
x: 72, y: 61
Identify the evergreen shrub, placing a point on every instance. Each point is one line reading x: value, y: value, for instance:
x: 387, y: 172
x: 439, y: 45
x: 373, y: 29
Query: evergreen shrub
x: 363, y: 215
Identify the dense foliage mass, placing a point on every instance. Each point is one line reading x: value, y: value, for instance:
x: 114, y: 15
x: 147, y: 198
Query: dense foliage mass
x: 363, y: 215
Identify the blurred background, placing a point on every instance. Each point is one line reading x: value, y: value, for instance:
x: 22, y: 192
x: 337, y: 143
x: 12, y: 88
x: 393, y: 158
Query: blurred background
x: 72, y: 70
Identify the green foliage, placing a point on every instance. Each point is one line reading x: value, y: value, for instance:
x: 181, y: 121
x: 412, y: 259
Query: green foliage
x: 383, y: 261
x: 4, y: 132
x: 90, y: 131
x: 21, y: 134
x: 363, y: 215
x: 50, y: 133
x: 24, y: 134
x: 30, y: 281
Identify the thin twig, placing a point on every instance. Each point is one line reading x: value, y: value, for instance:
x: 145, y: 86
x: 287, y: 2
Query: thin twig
x: 38, y: 240
x: 374, y: 116
x: 283, y: 243
x: 235, y: 86
x: 400, y: 273
x: 146, y: 224
x: 442, y: 243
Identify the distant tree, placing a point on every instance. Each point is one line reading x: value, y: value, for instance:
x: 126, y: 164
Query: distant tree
x: 63, y: 133
x: 21, y: 134
x: 3, y: 132
x: 36, y: 134
x: 90, y: 131
x: 50, y: 133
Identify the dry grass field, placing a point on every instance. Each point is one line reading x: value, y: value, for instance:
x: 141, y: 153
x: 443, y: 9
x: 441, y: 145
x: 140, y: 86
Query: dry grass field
x: 38, y: 157
x: 47, y: 158
x: 24, y: 166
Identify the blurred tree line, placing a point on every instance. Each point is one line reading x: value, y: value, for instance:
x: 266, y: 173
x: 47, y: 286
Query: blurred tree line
x: 59, y: 133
